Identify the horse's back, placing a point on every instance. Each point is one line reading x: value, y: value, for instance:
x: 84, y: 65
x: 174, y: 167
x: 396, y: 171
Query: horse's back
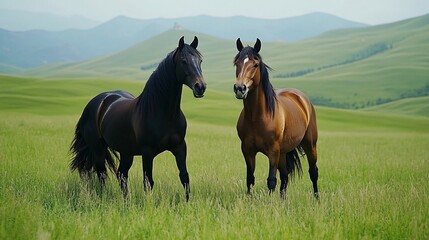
x: 295, y: 103
x: 105, y: 98
x: 112, y: 97
x: 97, y: 107
x: 122, y: 93
x: 298, y: 109
x: 293, y: 94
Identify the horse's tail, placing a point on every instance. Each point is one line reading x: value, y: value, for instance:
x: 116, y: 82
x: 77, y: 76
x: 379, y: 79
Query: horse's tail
x: 89, y: 152
x: 293, y: 162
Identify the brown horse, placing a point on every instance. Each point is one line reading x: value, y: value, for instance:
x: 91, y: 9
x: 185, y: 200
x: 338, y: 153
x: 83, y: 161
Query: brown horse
x: 279, y: 123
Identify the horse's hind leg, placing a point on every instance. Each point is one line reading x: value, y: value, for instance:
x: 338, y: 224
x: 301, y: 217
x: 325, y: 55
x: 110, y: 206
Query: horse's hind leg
x: 274, y: 157
x: 313, y: 170
x: 100, y: 167
x: 309, y: 145
x: 283, y: 175
x: 311, y: 153
x: 124, y: 166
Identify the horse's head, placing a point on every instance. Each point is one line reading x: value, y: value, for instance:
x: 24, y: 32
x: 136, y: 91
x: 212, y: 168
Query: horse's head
x: 188, y: 66
x: 247, y: 63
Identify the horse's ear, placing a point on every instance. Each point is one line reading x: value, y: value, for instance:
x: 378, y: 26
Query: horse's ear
x: 257, y: 46
x: 194, y: 43
x: 181, y: 42
x: 239, y: 45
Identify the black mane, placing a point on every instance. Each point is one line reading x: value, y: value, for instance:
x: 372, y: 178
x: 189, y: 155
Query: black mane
x: 163, y: 81
x: 270, y: 95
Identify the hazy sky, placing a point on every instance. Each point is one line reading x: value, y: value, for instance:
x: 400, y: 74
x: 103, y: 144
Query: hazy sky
x: 366, y: 11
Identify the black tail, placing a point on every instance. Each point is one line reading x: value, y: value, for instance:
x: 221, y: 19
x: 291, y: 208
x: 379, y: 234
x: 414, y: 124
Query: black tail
x: 293, y: 162
x: 85, y: 158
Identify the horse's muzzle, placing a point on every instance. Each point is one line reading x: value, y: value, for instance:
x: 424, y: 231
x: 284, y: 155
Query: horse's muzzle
x: 240, y: 91
x: 199, y: 89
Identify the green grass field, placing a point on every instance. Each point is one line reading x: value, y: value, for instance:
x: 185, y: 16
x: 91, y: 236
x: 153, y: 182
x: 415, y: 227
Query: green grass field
x: 374, y: 180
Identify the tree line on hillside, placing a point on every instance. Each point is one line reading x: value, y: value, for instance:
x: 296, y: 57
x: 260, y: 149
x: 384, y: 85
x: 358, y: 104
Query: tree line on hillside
x: 328, y: 102
x: 364, y: 54
x: 149, y: 66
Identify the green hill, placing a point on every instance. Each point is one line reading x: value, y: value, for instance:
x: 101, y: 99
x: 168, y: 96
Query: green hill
x: 399, y: 70
x: 138, y: 62
x: 353, y: 68
x: 69, y: 97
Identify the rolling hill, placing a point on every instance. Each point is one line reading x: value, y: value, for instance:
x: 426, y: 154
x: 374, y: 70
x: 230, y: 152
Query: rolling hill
x: 352, y: 68
x: 27, y: 49
x: 65, y: 97
x: 139, y: 61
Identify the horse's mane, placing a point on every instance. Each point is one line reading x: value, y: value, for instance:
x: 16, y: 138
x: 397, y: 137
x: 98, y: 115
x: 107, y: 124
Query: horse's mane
x: 270, y: 95
x: 163, y: 80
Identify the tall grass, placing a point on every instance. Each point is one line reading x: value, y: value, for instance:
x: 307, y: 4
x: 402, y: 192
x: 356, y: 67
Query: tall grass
x: 373, y: 185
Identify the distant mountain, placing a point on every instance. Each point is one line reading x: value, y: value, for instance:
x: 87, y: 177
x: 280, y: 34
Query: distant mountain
x: 17, y: 20
x: 285, y: 29
x: 9, y: 69
x: 35, y: 48
x: 27, y: 49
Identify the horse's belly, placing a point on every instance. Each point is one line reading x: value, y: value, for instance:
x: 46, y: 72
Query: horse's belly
x: 259, y: 142
x: 119, y: 136
x: 266, y: 141
x: 158, y: 140
x: 121, y: 141
x: 292, y: 140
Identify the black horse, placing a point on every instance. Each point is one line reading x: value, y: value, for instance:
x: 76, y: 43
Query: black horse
x: 116, y: 122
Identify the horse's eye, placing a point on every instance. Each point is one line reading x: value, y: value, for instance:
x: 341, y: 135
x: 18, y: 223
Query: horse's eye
x: 256, y: 65
x: 184, y: 61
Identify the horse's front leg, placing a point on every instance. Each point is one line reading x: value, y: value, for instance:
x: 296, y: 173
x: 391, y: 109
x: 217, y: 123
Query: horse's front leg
x: 249, y: 157
x: 273, y: 156
x: 147, y: 159
x: 180, y: 153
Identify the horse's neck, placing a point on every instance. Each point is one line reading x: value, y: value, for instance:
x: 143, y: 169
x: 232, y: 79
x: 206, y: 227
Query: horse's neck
x: 171, y: 94
x: 254, y: 105
x: 162, y: 95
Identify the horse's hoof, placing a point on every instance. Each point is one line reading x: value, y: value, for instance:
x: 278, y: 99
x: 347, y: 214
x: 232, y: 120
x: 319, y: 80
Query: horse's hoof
x: 187, y: 192
x: 282, y: 194
x: 316, y: 195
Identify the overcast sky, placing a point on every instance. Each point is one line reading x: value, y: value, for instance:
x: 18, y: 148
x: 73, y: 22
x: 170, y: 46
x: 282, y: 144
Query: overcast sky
x: 366, y: 11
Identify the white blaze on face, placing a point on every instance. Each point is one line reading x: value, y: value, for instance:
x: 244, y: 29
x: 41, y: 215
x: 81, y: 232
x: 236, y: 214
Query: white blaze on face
x: 245, y: 60
x: 195, y: 63
x: 242, y: 70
